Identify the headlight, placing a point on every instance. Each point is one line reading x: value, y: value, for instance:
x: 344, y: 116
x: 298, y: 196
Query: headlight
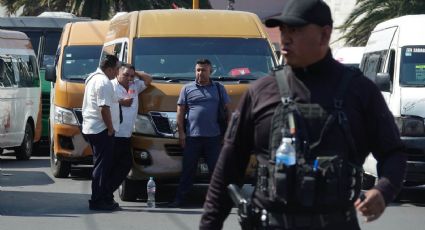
x: 143, y: 125
x: 411, y: 126
x: 65, y: 116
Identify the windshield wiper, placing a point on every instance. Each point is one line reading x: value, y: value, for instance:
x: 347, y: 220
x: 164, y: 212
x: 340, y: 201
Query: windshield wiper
x: 171, y: 79
x: 240, y: 80
x: 75, y: 79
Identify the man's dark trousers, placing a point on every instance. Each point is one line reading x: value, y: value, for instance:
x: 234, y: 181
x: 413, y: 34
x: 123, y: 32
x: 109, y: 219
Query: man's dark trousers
x: 195, y: 146
x: 122, y: 161
x: 103, y: 148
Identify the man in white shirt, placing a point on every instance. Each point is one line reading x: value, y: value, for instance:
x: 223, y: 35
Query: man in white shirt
x: 127, y: 87
x: 101, y: 120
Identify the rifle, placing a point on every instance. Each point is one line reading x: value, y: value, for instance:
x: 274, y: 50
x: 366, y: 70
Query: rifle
x: 244, y: 207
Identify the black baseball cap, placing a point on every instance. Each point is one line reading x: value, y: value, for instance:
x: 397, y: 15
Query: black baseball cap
x: 302, y: 12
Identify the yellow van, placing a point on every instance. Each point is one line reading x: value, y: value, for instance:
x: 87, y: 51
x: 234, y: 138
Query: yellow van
x: 78, y: 55
x: 166, y: 44
x: 20, y: 94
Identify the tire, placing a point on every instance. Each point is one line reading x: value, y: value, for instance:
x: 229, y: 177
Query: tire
x: 129, y: 190
x: 60, y: 169
x: 24, y: 151
x: 368, y: 181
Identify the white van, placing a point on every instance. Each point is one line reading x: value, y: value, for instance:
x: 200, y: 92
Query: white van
x: 19, y: 94
x: 394, y: 58
x: 349, y: 56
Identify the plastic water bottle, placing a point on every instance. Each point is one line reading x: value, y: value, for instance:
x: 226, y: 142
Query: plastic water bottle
x: 151, y: 189
x: 285, y: 154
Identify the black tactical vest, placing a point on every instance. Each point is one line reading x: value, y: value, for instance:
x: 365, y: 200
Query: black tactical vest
x: 327, y: 174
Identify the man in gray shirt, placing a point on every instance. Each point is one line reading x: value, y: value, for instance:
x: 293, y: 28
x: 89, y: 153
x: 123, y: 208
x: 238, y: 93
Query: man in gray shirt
x: 199, y: 103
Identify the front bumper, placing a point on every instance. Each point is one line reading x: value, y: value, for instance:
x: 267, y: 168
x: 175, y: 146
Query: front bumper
x: 166, y: 160
x: 69, y: 142
x: 415, y: 149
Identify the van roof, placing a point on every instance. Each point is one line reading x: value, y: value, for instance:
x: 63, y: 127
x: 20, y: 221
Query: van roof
x: 14, y: 42
x: 411, y: 31
x: 8, y: 34
x: 87, y: 33
x: 31, y: 22
x: 199, y: 23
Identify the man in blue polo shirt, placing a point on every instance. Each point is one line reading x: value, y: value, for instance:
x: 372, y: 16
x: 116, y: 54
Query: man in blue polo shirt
x: 199, y: 102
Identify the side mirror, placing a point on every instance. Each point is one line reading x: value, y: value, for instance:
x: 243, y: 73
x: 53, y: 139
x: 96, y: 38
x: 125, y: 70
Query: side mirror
x: 50, y: 73
x: 382, y: 80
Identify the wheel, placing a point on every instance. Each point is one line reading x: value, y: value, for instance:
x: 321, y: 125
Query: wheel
x: 24, y: 151
x: 60, y: 169
x: 368, y: 181
x: 129, y: 190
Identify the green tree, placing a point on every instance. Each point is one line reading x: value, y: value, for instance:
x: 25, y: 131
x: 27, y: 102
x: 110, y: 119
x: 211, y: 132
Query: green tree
x: 99, y: 9
x: 368, y: 13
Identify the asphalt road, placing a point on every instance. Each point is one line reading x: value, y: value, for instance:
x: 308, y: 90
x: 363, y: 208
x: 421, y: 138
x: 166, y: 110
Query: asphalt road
x: 31, y: 198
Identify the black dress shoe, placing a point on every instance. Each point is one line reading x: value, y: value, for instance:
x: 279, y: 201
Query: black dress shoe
x: 113, y: 202
x: 102, y: 205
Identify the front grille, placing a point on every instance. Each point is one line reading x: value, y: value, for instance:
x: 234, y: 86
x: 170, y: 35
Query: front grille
x: 173, y: 150
x: 79, y: 115
x: 415, y: 154
x: 161, y: 123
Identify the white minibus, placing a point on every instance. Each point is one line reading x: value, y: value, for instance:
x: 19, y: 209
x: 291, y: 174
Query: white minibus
x: 394, y: 58
x: 19, y: 94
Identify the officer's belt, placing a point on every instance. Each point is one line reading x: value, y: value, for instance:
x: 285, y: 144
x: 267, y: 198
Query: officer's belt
x: 289, y: 221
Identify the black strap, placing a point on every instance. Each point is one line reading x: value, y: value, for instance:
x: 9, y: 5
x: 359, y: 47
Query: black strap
x: 281, y: 74
x: 186, y: 115
x: 339, y: 115
x: 220, y: 97
x: 121, y: 118
x: 282, y: 82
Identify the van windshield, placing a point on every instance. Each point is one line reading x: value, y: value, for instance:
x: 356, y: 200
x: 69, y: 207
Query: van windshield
x: 231, y: 58
x: 80, y: 61
x: 412, y: 68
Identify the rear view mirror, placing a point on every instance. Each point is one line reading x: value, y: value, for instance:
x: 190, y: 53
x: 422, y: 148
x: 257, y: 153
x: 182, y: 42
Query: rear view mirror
x: 382, y: 80
x: 50, y: 73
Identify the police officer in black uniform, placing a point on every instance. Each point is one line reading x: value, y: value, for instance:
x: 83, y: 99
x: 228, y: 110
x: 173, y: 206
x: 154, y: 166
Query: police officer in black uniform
x: 306, y: 27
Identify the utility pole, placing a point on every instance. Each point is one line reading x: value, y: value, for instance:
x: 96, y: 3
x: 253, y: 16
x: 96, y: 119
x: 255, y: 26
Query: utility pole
x: 195, y: 4
x: 230, y: 5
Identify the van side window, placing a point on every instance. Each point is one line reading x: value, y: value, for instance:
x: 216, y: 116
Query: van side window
x: 27, y: 72
x: 124, y: 58
x: 113, y: 49
x: 7, y: 77
x: 117, y: 50
x: 33, y: 70
x: 373, y: 63
x: 107, y: 50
